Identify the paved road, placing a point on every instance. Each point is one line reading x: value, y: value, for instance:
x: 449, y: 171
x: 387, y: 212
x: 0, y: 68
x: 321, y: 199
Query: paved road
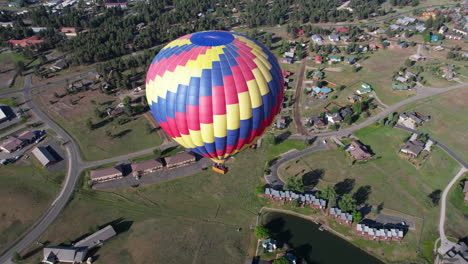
x: 297, y: 99
x: 273, y: 179
x: 445, y: 244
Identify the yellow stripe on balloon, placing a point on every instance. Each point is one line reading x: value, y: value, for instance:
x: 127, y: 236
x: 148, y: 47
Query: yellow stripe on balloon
x: 188, y: 141
x: 245, y: 106
x: 177, y: 42
x: 260, y: 81
x: 207, y: 133
x: 196, y: 137
x: 232, y: 116
x: 254, y: 92
x: 219, y: 123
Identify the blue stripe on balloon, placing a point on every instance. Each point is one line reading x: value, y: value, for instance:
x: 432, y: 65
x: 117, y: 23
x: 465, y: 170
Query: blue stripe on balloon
x: 232, y: 136
x: 205, y: 83
x: 181, y: 98
x: 210, y: 147
x: 257, y: 116
x: 199, y: 150
x: 193, y: 91
x: 172, y: 51
x: 220, y: 143
x: 216, y: 75
x: 267, y: 101
x: 161, y: 109
x: 154, y: 111
x: 171, y: 102
x: 245, y: 127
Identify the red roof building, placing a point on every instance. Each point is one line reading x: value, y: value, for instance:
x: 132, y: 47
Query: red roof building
x: 342, y: 30
x: 300, y: 32
x: 285, y: 73
x: 318, y: 59
x: 26, y: 42
x: 68, y: 30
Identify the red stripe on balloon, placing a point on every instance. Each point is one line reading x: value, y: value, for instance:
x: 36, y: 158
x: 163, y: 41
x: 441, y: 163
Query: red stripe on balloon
x: 181, y: 120
x: 230, y: 90
x: 192, y: 117
x: 206, y: 110
x: 219, y: 101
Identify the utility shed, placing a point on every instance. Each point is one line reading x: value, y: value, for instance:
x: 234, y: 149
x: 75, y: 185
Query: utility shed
x: 44, y: 156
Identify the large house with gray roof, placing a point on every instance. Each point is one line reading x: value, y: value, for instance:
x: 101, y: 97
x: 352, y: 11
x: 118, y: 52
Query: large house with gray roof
x: 379, y: 234
x: 302, y: 198
x: 54, y: 255
x: 340, y: 216
x: 106, y: 174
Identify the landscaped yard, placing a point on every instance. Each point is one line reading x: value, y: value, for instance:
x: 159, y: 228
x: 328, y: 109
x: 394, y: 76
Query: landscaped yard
x: 449, y: 119
x: 25, y: 192
x: 394, y: 182
x: 108, y: 138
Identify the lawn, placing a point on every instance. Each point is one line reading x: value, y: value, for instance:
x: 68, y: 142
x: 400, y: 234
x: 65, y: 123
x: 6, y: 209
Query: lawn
x: 449, y: 119
x: 25, y: 192
x: 394, y: 181
x: 457, y: 211
x: 377, y: 70
x: 108, y: 138
x: 187, y: 220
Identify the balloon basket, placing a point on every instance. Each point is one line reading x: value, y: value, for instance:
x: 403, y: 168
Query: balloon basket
x: 219, y: 166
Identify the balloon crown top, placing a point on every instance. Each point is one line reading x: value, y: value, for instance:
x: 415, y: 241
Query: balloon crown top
x: 212, y: 38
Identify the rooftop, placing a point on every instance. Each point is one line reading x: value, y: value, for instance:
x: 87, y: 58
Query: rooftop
x: 98, y: 173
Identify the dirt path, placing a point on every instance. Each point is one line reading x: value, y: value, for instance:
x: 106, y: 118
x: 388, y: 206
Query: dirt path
x: 378, y: 99
x: 297, y: 115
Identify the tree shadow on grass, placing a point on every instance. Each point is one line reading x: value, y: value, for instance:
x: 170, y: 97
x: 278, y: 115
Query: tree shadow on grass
x: 312, y: 178
x: 345, y: 186
x: 362, y: 194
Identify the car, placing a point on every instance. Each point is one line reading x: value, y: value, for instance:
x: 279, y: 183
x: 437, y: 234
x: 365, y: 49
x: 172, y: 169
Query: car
x: 17, y: 157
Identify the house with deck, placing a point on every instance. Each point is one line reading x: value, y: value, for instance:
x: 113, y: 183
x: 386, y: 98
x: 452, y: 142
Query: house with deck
x: 358, y: 151
x: 106, y: 174
x: 179, y: 160
x: 146, y: 167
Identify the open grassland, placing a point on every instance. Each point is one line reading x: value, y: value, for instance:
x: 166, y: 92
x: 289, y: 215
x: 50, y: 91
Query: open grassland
x: 394, y: 182
x: 25, y: 192
x: 449, y: 119
x: 97, y: 143
x: 457, y: 211
x: 188, y: 220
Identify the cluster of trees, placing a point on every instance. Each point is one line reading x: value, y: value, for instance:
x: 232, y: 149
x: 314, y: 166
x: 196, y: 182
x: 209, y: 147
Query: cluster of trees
x: 321, y: 11
x: 262, y: 12
x: 390, y: 120
x: 437, y: 22
x: 18, y: 31
x: 363, y: 9
x: 402, y: 3
x: 456, y: 56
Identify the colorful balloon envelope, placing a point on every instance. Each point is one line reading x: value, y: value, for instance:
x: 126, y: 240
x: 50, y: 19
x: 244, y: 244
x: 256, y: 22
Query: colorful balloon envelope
x: 214, y: 92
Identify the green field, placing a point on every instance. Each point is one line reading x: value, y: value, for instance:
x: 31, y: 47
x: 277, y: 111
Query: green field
x: 394, y: 182
x: 25, y: 192
x: 96, y: 144
x: 449, y: 119
x: 188, y: 220
x: 457, y: 211
x: 377, y: 70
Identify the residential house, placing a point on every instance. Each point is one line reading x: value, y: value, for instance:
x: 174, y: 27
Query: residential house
x: 448, y: 75
x: 333, y: 118
x: 38, y: 29
x: 352, y: 98
x: 438, y: 48
x: 318, y: 121
x: 300, y: 32
x: 106, y: 174
x: 429, y: 14
x: 269, y: 245
x: 453, y: 36
x: 397, y: 86
x: 69, y: 31
x: 457, y: 254
x: 401, y: 79
x: 345, y: 111
x: 462, y: 31
x: 379, y: 234
x: 114, y: 111
x: 341, y: 30
x: 53, y: 255
x: 372, y: 46
x: 27, y: 137
x: 403, y: 44
x: 317, y: 75
x: 26, y: 42
x: 179, y: 160
x: 443, y: 29
x: 145, y: 167
x: 350, y: 59
x: 365, y: 88
x: 420, y: 27
x: 58, y: 65
x: 334, y: 38
x: 409, y: 75
x: 465, y: 191
x: 434, y: 38
x: 417, y: 57
x: 96, y: 239
x: 411, y: 119
x: 289, y: 54
x: 358, y: 151
x: 287, y: 60
x: 6, y: 24
x: 316, y: 38
x: 323, y: 92
x: 405, y: 21
x: 413, y: 148
x: 318, y: 59
x: 12, y: 144
x: 111, y: 5
x: 394, y: 27
x: 282, y: 122
x: 334, y: 58
x: 140, y: 26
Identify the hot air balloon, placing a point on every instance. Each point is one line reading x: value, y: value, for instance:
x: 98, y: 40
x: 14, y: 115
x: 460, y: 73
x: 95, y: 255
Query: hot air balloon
x: 214, y: 92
